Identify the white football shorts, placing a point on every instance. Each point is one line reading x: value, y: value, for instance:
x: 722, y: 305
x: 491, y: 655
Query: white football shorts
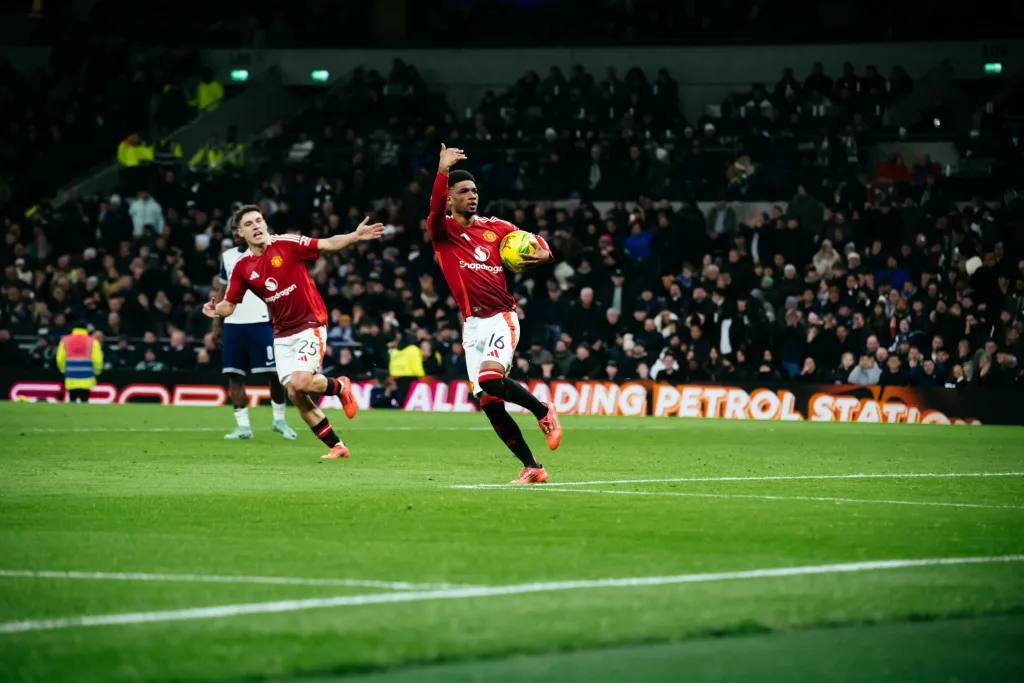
x: 300, y: 352
x: 488, y: 339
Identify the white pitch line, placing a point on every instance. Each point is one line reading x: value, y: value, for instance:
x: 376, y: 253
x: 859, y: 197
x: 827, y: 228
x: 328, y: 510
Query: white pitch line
x: 214, y: 578
x: 476, y: 592
x: 761, y: 497
x: 610, y: 482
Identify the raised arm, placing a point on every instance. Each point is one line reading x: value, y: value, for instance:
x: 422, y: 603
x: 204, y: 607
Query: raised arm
x: 365, y: 231
x: 439, y: 193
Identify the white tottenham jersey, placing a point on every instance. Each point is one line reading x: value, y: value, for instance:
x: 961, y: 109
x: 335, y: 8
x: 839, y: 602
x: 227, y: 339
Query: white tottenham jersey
x: 252, y: 309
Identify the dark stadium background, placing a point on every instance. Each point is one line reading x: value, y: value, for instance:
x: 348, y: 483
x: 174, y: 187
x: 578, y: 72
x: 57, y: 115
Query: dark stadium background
x: 689, y: 196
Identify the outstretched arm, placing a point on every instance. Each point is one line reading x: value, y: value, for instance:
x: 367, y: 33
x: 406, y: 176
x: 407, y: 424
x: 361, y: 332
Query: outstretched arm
x: 439, y: 193
x: 365, y: 231
x: 222, y: 308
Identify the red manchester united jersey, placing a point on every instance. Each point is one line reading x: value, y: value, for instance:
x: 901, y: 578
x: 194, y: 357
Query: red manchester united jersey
x: 279, y: 277
x: 468, y: 257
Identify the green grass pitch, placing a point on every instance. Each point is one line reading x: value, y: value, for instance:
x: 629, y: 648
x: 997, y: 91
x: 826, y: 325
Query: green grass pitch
x: 686, y: 559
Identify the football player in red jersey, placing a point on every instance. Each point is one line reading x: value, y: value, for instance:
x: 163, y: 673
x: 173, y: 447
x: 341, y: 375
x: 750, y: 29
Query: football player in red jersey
x: 466, y: 247
x: 274, y: 269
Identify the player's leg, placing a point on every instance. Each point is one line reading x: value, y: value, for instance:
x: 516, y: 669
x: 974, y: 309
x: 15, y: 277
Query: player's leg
x: 278, y: 401
x: 320, y: 384
x: 510, y: 434
x: 261, y: 346
x: 298, y: 361
x: 312, y: 415
x: 240, y: 405
x: 473, y: 342
x: 236, y: 364
x: 501, y: 333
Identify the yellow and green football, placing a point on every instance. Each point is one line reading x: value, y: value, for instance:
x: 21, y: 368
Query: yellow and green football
x: 513, y: 246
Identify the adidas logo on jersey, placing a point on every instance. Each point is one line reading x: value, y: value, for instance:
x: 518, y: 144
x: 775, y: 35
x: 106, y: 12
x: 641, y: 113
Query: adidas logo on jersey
x: 254, y: 275
x: 493, y: 354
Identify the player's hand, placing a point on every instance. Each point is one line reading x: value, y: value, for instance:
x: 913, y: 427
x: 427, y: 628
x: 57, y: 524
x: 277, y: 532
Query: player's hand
x: 449, y: 157
x: 366, y: 231
x: 539, y: 255
x: 210, y: 308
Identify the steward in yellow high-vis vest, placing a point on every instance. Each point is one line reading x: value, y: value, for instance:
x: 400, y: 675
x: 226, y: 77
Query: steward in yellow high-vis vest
x: 209, y: 158
x: 80, y: 358
x: 406, y: 362
x: 209, y: 93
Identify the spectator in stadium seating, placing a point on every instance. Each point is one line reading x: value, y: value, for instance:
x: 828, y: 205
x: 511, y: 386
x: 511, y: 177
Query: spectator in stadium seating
x: 925, y: 375
x: 721, y: 219
x: 179, y: 356
x: 866, y: 373
x: 638, y: 245
x: 809, y: 372
x: 841, y: 374
x: 893, y: 375
x: 826, y: 259
x: 924, y: 167
x: 150, y: 362
x: 818, y: 81
x: 893, y: 171
x: 145, y: 211
x: 349, y: 365
x: 44, y: 354
x: 584, y: 365
x: 385, y: 393
x: 432, y: 362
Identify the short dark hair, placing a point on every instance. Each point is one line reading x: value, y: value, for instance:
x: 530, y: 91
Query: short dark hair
x: 236, y: 217
x: 456, y: 177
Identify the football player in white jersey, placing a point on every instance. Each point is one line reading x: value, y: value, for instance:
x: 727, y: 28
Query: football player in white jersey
x: 248, y: 347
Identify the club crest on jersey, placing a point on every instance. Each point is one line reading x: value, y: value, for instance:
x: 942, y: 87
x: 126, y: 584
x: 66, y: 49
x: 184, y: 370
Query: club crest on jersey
x: 276, y: 261
x: 481, y: 254
x: 270, y: 284
x: 254, y: 275
x: 490, y: 236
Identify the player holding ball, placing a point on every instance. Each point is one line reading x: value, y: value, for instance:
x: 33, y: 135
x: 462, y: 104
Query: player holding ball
x: 467, y: 249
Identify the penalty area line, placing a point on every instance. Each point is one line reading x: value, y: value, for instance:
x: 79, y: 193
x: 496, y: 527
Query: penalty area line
x: 793, y: 477
x: 214, y: 578
x: 284, y: 606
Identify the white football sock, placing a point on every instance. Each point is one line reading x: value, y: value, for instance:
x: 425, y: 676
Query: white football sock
x: 278, y: 409
x: 242, y: 417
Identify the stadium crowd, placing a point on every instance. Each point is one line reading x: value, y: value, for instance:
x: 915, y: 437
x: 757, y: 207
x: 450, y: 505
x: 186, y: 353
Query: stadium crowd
x: 866, y: 280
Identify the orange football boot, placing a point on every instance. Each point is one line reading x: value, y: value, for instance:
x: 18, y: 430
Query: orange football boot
x: 549, y: 425
x: 531, y: 475
x: 348, y: 401
x: 339, y: 451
